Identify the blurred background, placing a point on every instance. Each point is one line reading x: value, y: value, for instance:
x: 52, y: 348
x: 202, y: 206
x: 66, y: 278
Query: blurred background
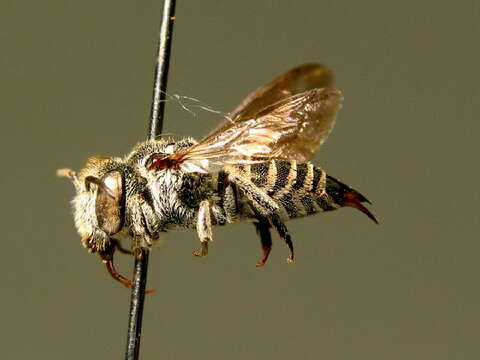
x: 76, y: 80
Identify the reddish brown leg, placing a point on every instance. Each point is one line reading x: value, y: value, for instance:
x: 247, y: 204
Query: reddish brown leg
x: 114, y: 274
x: 263, y: 230
x: 119, y: 247
x: 203, y: 249
x: 107, y: 258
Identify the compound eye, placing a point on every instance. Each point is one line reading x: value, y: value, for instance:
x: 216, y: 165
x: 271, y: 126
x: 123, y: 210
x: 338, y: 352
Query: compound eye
x: 110, y: 201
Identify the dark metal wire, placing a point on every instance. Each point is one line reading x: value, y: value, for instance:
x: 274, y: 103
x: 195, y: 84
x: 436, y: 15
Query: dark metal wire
x: 156, y: 123
x: 136, y: 305
x: 161, y: 69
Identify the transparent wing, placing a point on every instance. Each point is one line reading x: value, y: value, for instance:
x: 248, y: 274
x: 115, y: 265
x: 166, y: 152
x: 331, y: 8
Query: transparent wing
x: 291, y: 129
x: 297, y: 80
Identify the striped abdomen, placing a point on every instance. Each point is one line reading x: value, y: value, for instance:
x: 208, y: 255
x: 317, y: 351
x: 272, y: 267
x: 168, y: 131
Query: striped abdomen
x: 300, y: 189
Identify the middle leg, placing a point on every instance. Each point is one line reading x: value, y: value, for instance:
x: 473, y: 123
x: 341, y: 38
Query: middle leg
x: 204, y: 228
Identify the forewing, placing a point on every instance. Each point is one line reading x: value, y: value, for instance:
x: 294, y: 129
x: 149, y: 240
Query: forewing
x: 291, y: 129
x: 298, y: 80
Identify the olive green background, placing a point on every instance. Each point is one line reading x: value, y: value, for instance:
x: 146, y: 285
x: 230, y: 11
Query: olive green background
x: 76, y: 80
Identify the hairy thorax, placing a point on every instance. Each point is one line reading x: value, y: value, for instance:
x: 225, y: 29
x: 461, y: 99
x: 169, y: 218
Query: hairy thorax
x: 149, y: 202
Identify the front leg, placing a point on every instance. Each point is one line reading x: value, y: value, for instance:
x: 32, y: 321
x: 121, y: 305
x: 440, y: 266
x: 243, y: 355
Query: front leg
x: 204, y: 228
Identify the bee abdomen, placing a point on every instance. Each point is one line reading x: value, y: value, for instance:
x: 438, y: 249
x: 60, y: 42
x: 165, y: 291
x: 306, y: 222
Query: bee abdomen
x: 300, y: 188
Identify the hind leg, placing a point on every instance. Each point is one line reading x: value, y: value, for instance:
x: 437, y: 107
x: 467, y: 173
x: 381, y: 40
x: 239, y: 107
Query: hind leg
x: 283, y: 232
x: 263, y: 230
x: 266, y: 207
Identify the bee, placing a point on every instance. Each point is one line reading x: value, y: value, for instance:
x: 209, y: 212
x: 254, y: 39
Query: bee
x: 253, y: 167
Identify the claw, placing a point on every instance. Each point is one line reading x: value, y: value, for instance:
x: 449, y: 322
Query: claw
x: 266, y: 253
x: 203, y: 250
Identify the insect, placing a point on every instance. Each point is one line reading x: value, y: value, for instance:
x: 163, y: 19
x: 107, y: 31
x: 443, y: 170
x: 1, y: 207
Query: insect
x: 253, y: 167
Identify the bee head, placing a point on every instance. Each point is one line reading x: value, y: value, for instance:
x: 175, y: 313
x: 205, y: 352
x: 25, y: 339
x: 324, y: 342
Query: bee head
x: 99, y: 205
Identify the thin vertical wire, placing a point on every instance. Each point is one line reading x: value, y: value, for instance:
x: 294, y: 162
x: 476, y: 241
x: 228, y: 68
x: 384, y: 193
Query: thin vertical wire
x: 137, y: 299
x: 161, y: 69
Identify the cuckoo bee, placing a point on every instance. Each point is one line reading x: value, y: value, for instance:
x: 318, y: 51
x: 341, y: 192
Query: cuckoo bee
x: 253, y: 167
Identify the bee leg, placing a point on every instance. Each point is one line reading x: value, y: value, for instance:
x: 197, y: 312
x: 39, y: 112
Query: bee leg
x: 204, y: 228
x: 263, y: 230
x: 203, y: 250
x: 145, y: 224
x: 262, y: 203
x: 119, y: 247
x: 107, y: 259
x: 228, y: 195
x: 264, y: 207
x: 230, y: 204
x: 283, y: 232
